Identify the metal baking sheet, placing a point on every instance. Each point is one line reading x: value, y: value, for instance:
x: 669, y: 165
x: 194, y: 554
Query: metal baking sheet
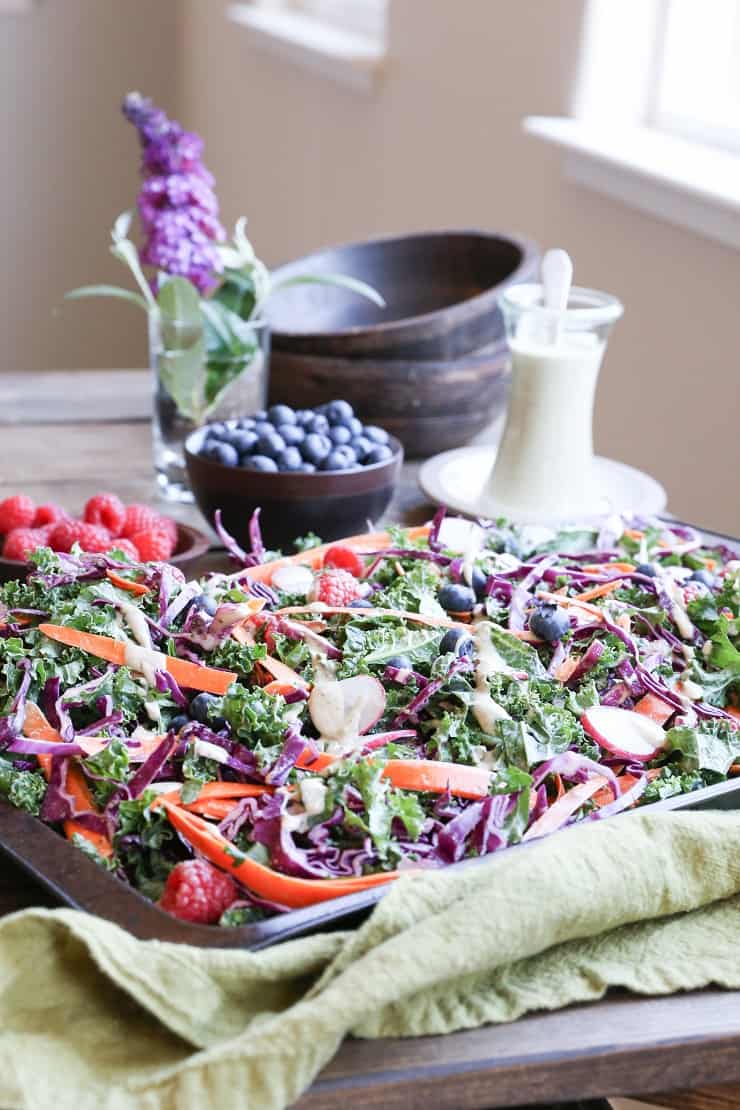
x: 75, y: 881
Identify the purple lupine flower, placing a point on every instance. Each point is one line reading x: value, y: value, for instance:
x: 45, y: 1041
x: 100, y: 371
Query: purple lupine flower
x: 177, y: 204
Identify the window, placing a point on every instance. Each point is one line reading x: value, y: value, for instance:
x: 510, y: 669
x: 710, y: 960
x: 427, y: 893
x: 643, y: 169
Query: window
x: 343, y: 40
x: 698, y: 80
x: 365, y: 17
x: 656, y: 111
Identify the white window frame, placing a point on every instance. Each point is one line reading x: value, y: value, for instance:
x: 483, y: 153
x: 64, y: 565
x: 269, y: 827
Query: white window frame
x: 342, y: 40
x: 617, y: 141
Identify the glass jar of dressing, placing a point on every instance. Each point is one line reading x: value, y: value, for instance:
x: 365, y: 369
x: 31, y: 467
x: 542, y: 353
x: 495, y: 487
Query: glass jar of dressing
x: 544, y: 466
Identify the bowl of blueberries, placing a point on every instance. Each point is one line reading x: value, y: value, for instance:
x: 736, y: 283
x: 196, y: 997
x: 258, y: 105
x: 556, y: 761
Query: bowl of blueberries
x: 315, y: 470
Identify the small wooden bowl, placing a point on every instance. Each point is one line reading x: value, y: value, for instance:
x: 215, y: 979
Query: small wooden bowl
x: 441, y: 290
x: 330, y: 503
x: 191, y: 545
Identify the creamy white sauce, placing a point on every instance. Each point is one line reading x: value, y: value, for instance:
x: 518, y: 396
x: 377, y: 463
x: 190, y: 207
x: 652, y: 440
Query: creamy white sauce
x: 678, y: 610
x: 153, y: 711
x: 136, y: 621
x: 313, y: 796
x: 144, y: 661
x: 544, y: 464
x: 485, y: 710
x: 692, y: 689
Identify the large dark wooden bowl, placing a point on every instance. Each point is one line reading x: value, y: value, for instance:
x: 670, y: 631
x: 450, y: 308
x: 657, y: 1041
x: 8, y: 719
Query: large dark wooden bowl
x: 191, y: 545
x: 332, y: 504
x: 430, y: 406
x: 441, y: 290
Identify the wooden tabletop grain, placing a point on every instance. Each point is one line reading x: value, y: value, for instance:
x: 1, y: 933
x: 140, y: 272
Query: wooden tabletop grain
x: 66, y: 435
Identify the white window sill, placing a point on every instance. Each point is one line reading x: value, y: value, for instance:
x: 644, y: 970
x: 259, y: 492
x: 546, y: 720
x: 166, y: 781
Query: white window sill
x: 685, y: 183
x: 346, y: 57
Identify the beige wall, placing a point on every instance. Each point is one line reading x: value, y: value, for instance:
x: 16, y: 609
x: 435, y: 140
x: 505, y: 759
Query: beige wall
x: 440, y: 143
x: 69, y: 166
x: 311, y: 162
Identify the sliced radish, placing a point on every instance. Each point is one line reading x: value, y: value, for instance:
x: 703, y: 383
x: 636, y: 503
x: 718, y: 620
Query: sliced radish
x: 623, y: 732
x: 347, y: 708
x: 293, y: 579
x: 458, y: 534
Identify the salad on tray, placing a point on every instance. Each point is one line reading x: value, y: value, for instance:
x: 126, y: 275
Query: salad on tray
x: 311, y: 726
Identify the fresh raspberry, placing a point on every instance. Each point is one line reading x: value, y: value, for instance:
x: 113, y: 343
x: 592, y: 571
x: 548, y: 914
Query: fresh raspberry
x: 153, y: 546
x: 126, y: 546
x: 168, y: 525
x: 48, y: 514
x: 21, y: 542
x: 108, y: 510
x: 90, y: 537
x: 336, y: 588
x: 93, y: 538
x: 16, y: 512
x: 197, y: 891
x: 139, y: 518
x: 63, y: 535
x: 344, y: 558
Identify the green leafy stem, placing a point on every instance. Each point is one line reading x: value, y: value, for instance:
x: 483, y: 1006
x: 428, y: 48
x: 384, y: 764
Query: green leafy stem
x: 207, y: 342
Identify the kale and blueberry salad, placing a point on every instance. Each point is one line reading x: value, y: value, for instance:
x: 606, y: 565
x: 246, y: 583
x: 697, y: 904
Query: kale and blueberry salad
x: 310, y: 726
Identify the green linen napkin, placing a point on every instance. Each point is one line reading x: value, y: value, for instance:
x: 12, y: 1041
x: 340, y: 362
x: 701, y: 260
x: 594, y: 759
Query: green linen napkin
x: 92, y: 1018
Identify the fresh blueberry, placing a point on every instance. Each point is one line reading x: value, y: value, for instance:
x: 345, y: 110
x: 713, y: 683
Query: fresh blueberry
x: 456, y: 598
x: 649, y: 569
x: 338, y: 412
x: 361, y: 447
x: 244, y: 441
x: 206, y: 603
x: 303, y: 416
x: 479, y: 583
x: 289, y: 459
x: 261, y: 415
x: 339, y: 434
x: 456, y: 641
x: 263, y: 427
x: 246, y: 423
x: 200, y: 708
x: 549, y: 622
x: 377, y: 435
x: 318, y: 424
x: 222, y: 453
x: 400, y: 662
x: 291, y: 433
x: 308, y: 468
x: 704, y: 577
x: 379, y: 453
x: 281, y: 414
x: 315, y: 448
x: 340, y: 458
x: 217, y: 431
x: 259, y: 462
x: 179, y: 722
x: 270, y: 444
x: 354, y: 425
x: 361, y: 603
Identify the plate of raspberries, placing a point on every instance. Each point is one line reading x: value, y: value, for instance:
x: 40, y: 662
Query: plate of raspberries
x: 106, y: 524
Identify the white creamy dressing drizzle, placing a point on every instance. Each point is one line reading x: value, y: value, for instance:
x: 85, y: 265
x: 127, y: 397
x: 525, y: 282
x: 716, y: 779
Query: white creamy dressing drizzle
x: 139, y: 655
x: 678, y: 610
x: 691, y: 689
x: 327, y: 693
x: 313, y: 796
x: 485, y: 710
x: 144, y: 661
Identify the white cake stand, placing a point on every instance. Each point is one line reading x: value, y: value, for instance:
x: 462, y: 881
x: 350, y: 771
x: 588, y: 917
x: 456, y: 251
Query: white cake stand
x: 456, y: 479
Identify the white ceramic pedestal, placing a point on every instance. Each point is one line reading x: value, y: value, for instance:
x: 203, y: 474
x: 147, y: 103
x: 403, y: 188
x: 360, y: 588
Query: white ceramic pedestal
x: 456, y: 479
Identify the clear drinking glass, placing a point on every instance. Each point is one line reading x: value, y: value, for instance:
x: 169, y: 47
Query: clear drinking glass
x: 190, y: 390
x: 544, y: 467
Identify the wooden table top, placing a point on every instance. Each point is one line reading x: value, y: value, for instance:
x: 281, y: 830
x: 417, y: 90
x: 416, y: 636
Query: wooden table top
x: 67, y: 435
